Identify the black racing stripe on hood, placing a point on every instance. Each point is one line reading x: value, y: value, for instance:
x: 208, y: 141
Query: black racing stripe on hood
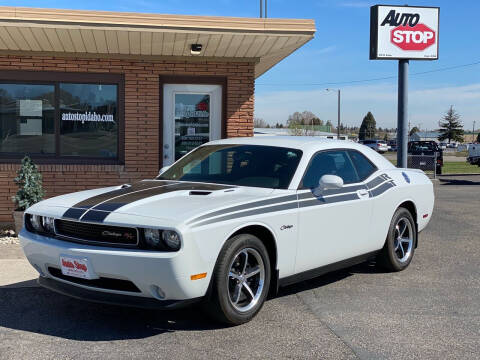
x: 140, y: 186
x: 80, y: 208
x: 95, y: 216
x: 118, y: 202
x: 73, y: 213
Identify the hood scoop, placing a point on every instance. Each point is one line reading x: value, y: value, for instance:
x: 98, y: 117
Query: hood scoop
x: 198, y: 192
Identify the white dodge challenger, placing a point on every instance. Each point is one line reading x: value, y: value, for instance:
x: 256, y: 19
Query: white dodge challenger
x: 229, y: 223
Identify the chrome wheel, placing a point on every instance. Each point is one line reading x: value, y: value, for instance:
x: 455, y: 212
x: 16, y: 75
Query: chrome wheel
x: 245, y: 279
x: 403, y: 240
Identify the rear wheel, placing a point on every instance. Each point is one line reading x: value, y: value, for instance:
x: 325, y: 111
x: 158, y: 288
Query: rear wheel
x: 399, y: 247
x: 240, y: 281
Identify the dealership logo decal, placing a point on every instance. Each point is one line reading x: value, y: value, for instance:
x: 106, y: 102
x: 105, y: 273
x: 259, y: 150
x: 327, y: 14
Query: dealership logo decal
x: 408, y: 33
x: 87, y: 116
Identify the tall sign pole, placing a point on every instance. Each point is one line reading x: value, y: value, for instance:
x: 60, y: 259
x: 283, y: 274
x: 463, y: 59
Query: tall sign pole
x: 402, y: 114
x: 403, y: 33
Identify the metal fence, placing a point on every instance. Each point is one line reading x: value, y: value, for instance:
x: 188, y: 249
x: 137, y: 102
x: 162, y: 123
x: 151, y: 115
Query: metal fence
x: 426, y: 163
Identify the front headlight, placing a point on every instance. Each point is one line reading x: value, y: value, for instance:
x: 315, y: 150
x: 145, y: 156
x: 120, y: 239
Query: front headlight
x: 47, y: 223
x: 162, y: 240
x: 171, y: 239
x: 36, y: 222
x: 152, y: 237
x: 39, y: 224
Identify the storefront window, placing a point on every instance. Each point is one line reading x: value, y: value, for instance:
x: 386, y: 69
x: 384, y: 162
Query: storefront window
x: 88, y: 118
x: 66, y: 118
x: 192, y: 122
x: 27, y: 114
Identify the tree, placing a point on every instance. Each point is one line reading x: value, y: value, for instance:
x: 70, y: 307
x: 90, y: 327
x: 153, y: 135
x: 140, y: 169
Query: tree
x: 450, y: 127
x: 29, y: 181
x: 413, y: 130
x: 368, y: 127
x: 478, y: 138
x: 302, y: 123
x: 259, y: 123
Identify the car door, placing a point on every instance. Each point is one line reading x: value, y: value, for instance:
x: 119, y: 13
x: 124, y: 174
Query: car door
x: 333, y: 224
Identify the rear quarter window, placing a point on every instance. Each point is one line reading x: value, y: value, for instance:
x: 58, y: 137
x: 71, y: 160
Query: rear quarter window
x: 362, y: 164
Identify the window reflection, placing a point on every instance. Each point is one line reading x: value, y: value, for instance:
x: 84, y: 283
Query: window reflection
x: 27, y: 118
x: 88, y: 120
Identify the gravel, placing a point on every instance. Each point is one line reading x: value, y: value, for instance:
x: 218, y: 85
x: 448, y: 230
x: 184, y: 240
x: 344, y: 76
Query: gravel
x: 8, y: 237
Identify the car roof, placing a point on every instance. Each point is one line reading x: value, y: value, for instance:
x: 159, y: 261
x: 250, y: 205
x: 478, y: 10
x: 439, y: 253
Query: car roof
x: 308, y: 144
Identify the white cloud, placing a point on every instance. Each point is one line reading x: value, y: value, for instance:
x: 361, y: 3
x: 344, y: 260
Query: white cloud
x: 426, y: 105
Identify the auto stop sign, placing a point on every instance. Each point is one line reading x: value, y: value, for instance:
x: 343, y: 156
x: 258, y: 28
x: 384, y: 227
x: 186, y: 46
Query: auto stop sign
x: 404, y: 32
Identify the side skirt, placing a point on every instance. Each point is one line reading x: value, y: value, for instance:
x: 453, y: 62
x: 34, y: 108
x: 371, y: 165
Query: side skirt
x: 310, y: 274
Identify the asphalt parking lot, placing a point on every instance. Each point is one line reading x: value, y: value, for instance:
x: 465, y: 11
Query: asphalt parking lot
x: 429, y: 311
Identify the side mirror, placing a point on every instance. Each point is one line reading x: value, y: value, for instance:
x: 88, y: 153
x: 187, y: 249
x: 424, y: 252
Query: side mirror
x: 330, y: 182
x: 163, y: 169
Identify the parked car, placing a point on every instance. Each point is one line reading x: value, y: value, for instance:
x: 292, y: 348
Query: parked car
x: 442, y: 145
x: 424, y: 152
x: 229, y: 223
x: 474, y: 154
x: 392, y: 145
x: 377, y: 145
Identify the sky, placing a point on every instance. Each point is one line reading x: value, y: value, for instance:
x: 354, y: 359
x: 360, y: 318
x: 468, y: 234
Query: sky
x: 337, y: 58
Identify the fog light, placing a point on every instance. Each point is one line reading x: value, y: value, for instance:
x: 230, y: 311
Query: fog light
x: 171, y: 239
x: 36, y: 221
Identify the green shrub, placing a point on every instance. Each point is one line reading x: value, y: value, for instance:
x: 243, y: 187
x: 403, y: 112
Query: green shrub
x: 29, y: 182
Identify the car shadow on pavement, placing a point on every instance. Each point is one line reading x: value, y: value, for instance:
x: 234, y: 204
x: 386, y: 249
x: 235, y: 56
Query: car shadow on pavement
x: 446, y: 181
x: 329, y: 278
x: 41, y: 311
x: 35, y: 309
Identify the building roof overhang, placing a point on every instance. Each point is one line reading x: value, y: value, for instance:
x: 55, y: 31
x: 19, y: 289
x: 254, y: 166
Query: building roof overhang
x: 135, y: 35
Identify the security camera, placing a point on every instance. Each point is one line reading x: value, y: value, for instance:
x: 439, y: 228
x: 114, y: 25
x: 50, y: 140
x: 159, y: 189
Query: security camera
x: 196, y: 49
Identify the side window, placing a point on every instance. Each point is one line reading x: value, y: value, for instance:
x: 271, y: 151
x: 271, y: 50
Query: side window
x: 335, y: 162
x: 364, y: 167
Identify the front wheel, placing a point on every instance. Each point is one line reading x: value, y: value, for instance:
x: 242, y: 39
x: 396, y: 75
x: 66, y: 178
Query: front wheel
x: 399, y: 247
x: 241, y: 280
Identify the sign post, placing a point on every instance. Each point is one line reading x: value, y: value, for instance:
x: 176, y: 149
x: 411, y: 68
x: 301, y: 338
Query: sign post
x: 403, y: 33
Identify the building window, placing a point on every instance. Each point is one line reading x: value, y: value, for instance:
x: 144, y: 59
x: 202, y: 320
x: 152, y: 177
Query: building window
x: 88, y: 118
x: 27, y: 114
x: 61, y: 118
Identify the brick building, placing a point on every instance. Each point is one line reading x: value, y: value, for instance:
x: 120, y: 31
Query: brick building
x: 102, y: 98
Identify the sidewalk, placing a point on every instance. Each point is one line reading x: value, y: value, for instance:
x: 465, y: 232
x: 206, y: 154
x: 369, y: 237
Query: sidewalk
x: 15, y: 270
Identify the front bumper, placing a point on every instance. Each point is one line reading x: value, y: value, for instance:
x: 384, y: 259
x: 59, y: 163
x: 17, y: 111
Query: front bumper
x: 112, y: 299
x: 156, y: 276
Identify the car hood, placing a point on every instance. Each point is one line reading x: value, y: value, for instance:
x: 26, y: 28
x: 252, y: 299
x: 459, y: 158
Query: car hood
x: 170, y: 201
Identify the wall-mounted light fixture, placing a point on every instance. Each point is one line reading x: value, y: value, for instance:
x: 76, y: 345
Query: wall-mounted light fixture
x: 196, y: 49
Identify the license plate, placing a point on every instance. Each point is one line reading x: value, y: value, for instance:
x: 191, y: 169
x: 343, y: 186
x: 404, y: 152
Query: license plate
x: 78, y: 267
x: 423, y: 163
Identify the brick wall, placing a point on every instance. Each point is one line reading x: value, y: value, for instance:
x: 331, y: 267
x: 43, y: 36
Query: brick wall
x: 141, y: 118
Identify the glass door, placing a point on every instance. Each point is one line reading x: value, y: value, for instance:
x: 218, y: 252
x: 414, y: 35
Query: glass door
x: 191, y: 117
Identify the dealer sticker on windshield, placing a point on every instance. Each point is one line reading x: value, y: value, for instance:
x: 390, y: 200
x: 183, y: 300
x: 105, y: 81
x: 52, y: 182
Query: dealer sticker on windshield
x: 78, y: 267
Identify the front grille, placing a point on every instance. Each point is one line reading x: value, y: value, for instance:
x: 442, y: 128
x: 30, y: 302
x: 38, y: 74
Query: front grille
x: 88, y: 232
x: 101, y: 283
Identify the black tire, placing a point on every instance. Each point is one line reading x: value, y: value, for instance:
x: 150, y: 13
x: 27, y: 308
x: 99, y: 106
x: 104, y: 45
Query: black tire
x: 220, y: 303
x: 390, y: 257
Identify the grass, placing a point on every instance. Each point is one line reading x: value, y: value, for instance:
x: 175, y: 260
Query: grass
x: 453, y: 167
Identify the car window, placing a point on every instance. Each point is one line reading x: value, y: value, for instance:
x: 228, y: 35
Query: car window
x: 244, y: 165
x: 334, y: 162
x: 363, y: 166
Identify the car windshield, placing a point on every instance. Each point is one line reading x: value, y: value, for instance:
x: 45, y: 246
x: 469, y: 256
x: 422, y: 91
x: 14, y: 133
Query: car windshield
x: 426, y: 146
x: 243, y: 165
